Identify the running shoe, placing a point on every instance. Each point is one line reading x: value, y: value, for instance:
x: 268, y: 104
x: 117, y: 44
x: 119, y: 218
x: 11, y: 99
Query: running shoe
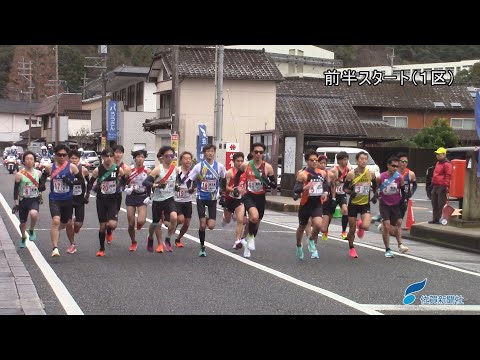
x: 311, y: 246
x: 109, y: 237
x: 315, y: 255
x: 178, y: 243
x: 251, y: 243
x: 389, y: 254
x: 299, y: 252
x: 360, y: 230
x: 159, y: 248
x: 101, y: 253
x: 237, y: 244
x: 55, y: 252
x: 149, y: 244
x: 23, y: 243
x: 325, y: 236
x: 344, y: 235
x: 72, y: 249
x: 246, y: 250
x: 202, y: 252
x: 353, y: 253
x: 168, y: 246
x: 32, y: 236
x: 133, y: 247
x: 402, y: 248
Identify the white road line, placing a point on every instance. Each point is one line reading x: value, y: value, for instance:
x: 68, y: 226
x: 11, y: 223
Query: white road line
x: 65, y: 298
x: 283, y: 276
x: 388, y: 307
x: 427, y: 261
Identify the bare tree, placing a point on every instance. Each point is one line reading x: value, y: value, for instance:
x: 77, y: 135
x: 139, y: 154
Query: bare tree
x: 83, y: 137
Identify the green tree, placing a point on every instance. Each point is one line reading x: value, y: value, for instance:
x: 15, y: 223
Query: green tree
x: 439, y: 134
x: 469, y: 77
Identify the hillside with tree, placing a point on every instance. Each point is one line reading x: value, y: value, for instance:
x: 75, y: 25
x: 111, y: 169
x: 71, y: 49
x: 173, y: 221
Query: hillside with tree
x: 72, y: 60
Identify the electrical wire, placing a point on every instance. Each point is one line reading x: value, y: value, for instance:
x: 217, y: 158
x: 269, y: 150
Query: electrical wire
x: 231, y: 115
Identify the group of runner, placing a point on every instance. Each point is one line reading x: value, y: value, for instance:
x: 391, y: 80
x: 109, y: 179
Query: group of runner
x: 321, y: 190
x: 167, y: 187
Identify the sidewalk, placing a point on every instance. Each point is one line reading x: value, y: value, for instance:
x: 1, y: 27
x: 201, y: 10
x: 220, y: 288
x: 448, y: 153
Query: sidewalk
x: 18, y: 295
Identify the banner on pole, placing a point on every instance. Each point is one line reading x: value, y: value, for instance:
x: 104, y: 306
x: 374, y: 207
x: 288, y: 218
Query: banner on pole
x: 202, y: 141
x: 112, y: 121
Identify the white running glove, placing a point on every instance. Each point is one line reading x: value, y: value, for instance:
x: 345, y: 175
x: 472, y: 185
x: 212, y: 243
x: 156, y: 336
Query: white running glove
x: 128, y: 190
x: 147, y: 201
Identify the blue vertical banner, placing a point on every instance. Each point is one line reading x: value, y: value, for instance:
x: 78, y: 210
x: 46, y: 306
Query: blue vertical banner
x: 477, y: 121
x: 112, y: 121
x: 202, y: 141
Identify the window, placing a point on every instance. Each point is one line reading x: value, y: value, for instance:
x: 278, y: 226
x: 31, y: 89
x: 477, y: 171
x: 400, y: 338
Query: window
x: 131, y: 96
x: 46, y: 122
x: 139, y: 94
x: 397, y: 121
x: 34, y: 122
x: 465, y: 124
x: 164, y: 106
x: 123, y: 96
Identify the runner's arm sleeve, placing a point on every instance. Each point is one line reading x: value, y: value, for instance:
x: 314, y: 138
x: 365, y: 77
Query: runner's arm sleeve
x: 123, y: 180
x: 346, y: 186
x: 43, y: 180
x: 90, y: 183
x: 374, y: 186
x: 87, y: 178
x: 16, y: 188
x: 414, y: 187
x: 326, y: 187
x: 148, y: 182
x: 236, y: 179
x: 272, y: 183
x: 298, y: 187
x: 223, y: 184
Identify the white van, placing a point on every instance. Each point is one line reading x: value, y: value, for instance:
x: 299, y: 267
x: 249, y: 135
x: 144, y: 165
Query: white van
x: 331, y: 153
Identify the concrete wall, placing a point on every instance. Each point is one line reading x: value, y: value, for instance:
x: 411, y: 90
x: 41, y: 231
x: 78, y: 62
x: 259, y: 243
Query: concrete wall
x: 11, y: 125
x: 130, y: 124
x: 248, y: 106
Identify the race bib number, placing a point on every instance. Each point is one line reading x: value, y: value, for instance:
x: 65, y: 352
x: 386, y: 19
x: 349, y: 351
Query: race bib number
x: 209, y: 185
x: 59, y: 187
x: 391, y: 189
x: 183, y: 193
x: 139, y: 188
x: 362, y: 189
x: 30, y: 192
x: 316, y: 189
x: 108, y: 187
x: 77, y: 190
x: 255, y: 185
x: 339, y: 189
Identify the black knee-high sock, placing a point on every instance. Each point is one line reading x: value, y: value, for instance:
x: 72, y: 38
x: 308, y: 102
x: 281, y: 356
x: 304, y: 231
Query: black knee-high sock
x: 201, y: 235
x: 109, y: 230
x: 252, y: 229
x: 344, y: 222
x: 101, y: 237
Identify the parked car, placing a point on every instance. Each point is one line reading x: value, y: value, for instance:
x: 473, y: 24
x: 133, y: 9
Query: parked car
x: 331, y: 153
x: 149, y: 160
x: 90, y: 159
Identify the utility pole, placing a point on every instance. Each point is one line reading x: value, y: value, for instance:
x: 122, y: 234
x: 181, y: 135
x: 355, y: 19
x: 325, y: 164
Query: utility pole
x: 219, y: 95
x: 391, y: 57
x: 57, y: 122
x: 84, y: 91
x: 173, y: 105
x: 27, y: 73
x: 101, y: 63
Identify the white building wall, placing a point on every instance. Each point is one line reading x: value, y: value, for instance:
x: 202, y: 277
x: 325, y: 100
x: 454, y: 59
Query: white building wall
x: 75, y: 125
x: 149, y: 98
x: 130, y: 124
x: 11, y: 125
x: 247, y: 106
x: 308, y: 50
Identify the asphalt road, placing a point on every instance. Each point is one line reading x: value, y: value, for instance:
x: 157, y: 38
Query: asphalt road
x: 274, y: 281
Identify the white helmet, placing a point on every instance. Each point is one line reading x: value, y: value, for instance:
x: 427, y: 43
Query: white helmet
x: 43, y: 147
x: 13, y: 147
x: 80, y: 150
x: 49, y: 145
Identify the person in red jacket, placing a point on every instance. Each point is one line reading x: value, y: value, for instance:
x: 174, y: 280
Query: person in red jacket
x: 441, y: 183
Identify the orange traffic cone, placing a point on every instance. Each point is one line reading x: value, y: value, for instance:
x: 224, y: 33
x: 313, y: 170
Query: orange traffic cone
x: 410, y: 217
